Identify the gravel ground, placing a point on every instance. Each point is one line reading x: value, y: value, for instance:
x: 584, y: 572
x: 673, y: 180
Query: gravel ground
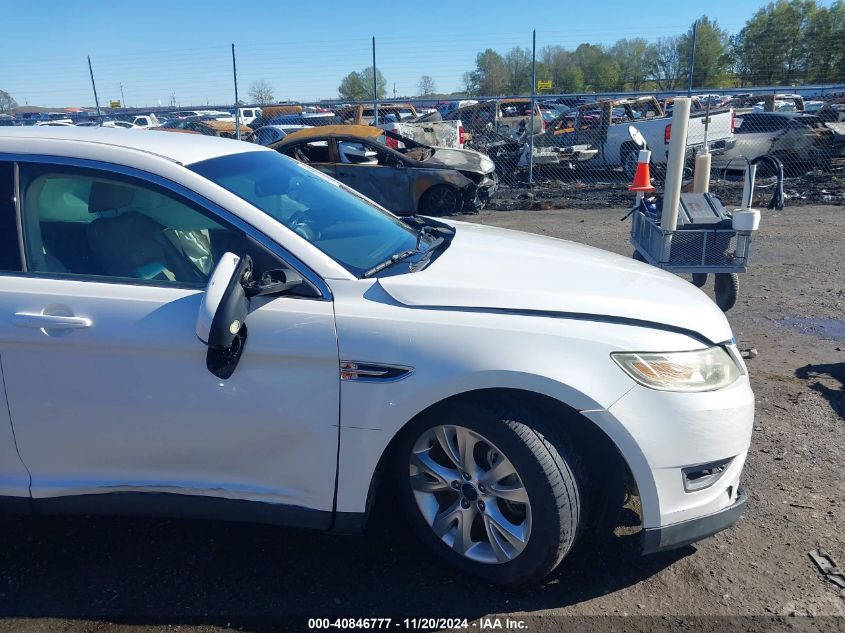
x: 146, y: 575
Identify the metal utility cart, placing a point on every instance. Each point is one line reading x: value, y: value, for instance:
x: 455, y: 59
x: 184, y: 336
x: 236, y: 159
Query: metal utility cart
x: 705, y: 241
x: 693, y: 233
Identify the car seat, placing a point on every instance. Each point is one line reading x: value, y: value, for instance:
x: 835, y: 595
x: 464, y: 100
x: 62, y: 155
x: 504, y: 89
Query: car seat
x: 130, y: 244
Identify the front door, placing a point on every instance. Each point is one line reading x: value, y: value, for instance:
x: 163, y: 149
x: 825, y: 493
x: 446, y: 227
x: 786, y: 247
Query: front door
x: 375, y: 173
x: 107, y: 382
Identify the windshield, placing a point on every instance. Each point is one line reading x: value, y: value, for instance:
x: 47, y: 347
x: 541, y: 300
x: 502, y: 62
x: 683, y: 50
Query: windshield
x: 344, y: 225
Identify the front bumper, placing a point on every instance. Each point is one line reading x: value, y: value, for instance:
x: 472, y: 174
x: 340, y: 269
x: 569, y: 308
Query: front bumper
x: 476, y: 198
x: 686, y: 532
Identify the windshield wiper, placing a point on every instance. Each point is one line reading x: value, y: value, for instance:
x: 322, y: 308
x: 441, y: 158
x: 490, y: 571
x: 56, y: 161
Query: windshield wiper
x: 427, y: 230
x: 387, y: 263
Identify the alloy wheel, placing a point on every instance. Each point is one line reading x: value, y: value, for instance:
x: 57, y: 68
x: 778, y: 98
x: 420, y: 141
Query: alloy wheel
x: 470, y: 494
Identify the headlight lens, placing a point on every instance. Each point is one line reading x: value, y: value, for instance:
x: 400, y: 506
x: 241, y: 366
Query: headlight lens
x: 698, y: 370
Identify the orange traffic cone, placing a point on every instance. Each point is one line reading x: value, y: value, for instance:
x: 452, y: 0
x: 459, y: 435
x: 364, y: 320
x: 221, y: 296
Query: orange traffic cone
x: 642, y: 177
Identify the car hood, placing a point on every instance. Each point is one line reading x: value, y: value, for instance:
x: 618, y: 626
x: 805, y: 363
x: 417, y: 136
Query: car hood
x: 491, y: 268
x: 461, y: 159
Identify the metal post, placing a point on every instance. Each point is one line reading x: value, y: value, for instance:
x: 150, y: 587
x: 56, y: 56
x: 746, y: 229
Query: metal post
x: 237, y: 107
x: 94, y: 86
x: 692, y: 58
x: 122, y: 98
x: 533, y: 95
x: 375, y: 85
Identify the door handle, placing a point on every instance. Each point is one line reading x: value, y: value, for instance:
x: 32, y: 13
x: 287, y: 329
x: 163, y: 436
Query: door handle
x: 50, y: 321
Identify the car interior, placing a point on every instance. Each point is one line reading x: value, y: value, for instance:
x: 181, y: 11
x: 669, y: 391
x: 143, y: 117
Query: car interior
x: 82, y: 225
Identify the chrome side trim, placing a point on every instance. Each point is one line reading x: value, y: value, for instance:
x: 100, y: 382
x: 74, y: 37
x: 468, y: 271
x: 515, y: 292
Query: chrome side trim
x: 180, y: 190
x: 357, y: 371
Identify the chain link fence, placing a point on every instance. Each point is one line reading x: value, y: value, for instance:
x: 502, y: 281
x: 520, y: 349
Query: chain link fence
x: 534, y: 144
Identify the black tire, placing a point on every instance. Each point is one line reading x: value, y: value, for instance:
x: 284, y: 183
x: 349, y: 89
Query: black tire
x: 440, y: 200
x: 548, y: 469
x: 639, y: 257
x: 699, y: 279
x: 727, y: 290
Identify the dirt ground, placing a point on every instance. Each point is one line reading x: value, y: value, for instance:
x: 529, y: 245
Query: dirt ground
x: 145, y: 575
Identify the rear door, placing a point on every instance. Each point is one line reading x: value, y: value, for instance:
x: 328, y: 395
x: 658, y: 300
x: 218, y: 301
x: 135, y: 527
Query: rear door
x: 14, y: 478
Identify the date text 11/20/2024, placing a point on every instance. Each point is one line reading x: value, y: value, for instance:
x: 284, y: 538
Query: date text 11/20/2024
x: 483, y: 624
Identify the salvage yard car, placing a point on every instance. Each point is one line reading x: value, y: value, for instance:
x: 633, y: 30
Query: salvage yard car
x: 195, y: 326
x: 604, y: 125
x: 801, y: 142
x: 412, y: 179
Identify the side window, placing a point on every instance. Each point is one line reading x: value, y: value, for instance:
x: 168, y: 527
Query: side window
x: 85, y: 222
x: 313, y: 152
x: 10, y: 254
x: 358, y: 153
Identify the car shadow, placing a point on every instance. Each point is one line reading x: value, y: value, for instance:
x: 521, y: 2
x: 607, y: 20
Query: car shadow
x: 821, y: 376
x: 251, y: 577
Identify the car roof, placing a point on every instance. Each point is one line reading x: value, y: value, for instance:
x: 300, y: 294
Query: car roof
x: 180, y: 148
x: 356, y: 131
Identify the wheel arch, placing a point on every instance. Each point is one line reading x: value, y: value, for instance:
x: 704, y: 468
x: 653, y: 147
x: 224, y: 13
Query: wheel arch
x: 598, y: 452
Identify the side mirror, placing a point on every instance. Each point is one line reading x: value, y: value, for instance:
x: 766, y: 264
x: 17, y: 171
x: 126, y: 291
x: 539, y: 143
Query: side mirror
x: 224, y: 306
x: 273, y: 282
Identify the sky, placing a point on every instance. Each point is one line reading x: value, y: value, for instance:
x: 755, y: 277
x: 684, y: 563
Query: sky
x: 180, y: 52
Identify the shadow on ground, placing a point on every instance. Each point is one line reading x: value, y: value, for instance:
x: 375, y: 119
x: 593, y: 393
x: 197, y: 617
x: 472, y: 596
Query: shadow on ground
x: 229, y: 574
x: 822, y: 377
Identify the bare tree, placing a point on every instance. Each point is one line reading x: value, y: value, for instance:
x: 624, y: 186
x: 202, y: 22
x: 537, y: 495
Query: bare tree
x: 261, y: 92
x: 426, y: 85
x: 7, y: 102
x: 664, y: 62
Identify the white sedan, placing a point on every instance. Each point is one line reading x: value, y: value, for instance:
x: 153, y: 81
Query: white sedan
x: 194, y: 326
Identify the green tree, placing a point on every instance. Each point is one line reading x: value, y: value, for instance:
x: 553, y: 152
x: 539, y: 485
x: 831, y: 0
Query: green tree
x: 630, y: 57
x: 358, y: 86
x: 490, y: 76
x: 572, y: 80
x: 518, y: 67
x: 712, y: 57
x: 825, y: 39
x: 773, y: 44
x: 599, y: 70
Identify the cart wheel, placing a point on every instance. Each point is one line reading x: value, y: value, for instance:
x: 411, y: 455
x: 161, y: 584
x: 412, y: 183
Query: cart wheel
x: 638, y: 256
x: 699, y: 279
x: 727, y: 288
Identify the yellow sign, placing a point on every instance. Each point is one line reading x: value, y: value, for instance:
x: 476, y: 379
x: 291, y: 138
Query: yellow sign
x: 544, y: 84
x: 114, y: 104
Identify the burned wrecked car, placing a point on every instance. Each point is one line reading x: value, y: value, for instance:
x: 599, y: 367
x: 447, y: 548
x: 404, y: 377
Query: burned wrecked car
x: 413, y: 179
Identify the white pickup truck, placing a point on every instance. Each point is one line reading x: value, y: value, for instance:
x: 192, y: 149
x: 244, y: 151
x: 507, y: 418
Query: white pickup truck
x: 604, y: 125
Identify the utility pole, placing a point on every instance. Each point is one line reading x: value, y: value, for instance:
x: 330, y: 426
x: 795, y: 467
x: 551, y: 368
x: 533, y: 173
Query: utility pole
x: 122, y: 98
x: 94, y: 86
x: 237, y: 109
x: 692, y: 58
x: 375, y: 85
x: 533, y: 97
x: 394, y: 89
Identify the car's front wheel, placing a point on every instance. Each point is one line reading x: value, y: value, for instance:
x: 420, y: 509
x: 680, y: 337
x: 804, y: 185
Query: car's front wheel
x: 491, y: 490
x: 440, y: 200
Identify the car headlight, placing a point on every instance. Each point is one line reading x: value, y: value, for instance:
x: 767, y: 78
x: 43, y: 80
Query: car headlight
x: 699, y: 370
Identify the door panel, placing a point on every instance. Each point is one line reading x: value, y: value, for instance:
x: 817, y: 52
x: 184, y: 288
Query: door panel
x: 387, y: 186
x: 14, y: 479
x: 127, y: 404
